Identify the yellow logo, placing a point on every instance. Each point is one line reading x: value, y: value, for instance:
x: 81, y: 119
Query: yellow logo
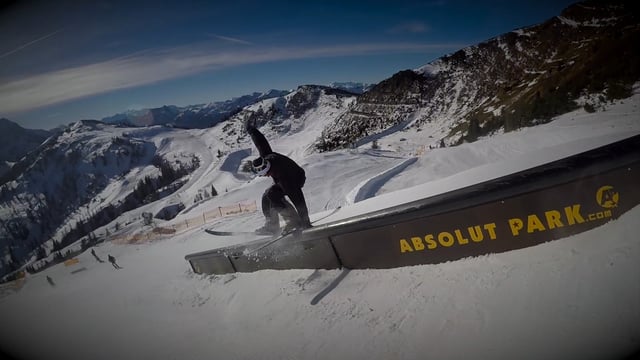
x: 607, y: 197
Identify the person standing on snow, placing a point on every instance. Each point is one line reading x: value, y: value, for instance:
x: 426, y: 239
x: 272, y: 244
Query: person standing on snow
x: 288, y: 179
x: 112, y: 260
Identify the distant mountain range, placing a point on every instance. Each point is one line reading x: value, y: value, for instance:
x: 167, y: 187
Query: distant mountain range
x: 207, y: 115
x: 190, y: 117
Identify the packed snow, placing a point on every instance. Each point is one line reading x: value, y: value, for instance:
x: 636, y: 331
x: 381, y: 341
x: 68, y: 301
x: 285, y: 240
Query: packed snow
x: 575, y: 298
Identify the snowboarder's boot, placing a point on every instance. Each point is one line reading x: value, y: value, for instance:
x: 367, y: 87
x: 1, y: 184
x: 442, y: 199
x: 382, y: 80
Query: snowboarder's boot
x: 271, y: 226
x: 291, y: 219
x: 305, y: 223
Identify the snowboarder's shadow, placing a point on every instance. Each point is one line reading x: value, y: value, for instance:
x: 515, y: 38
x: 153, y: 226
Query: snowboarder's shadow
x: 93, y: 252
x: 345, y: 271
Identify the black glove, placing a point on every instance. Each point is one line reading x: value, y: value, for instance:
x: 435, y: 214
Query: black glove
x: 249, y: 124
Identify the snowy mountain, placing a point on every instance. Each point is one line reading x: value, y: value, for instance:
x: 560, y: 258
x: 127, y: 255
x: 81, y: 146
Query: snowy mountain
x: 16, y: 142
x: 584, y: 57
x: 356, y: 88
x: 190, y: 117
x: 80, y: 179
x: 288, y: 113
x: 145, y: 117
x: 92, y: 173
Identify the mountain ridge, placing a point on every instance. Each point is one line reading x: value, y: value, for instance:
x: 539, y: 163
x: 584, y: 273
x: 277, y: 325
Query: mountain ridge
x: 191, y: 116
x: 517, y: 79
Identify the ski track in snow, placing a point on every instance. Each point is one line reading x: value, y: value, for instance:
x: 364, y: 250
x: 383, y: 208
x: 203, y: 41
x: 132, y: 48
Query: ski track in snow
x: 370, y: 187
x: 233, y: 161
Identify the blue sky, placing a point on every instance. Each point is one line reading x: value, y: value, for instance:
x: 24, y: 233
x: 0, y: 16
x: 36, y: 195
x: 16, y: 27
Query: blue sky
x: 62, y: 61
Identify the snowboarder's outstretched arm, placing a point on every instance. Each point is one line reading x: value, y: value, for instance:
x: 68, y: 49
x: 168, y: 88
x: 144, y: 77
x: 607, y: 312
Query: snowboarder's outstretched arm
x: 259, y: 141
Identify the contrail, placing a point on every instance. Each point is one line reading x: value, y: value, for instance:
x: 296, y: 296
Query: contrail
x: 29, y: 44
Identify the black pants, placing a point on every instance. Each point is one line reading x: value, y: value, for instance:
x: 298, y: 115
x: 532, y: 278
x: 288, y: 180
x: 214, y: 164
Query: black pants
x: 273, y: 200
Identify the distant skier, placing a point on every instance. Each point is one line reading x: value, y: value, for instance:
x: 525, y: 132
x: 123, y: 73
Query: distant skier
x: 288, y: 178
x: 93, y: 252
x: 112, y: 260
x: 50, y: 281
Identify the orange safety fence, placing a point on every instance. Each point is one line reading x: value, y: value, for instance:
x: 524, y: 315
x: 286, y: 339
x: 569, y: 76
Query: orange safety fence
x: 70, y: 262
x: 183, y: 225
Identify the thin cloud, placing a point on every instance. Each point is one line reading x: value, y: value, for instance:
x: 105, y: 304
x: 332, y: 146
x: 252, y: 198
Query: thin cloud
x: 23, y: 46
x: 144, y: 68
x: 230, y: 39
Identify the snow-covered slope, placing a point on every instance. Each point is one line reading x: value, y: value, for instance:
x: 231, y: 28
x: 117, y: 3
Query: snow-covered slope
x: 92, y: 178
x: 575, y: 298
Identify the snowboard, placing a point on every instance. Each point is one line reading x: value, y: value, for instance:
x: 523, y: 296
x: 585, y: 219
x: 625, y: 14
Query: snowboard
x: 232, y: 233
x: 270, y: 239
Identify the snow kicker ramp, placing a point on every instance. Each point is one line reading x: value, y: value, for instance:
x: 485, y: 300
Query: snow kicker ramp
x: 523, y: 209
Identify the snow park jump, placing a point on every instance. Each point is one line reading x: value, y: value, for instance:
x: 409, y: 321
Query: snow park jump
x: 526, y: 208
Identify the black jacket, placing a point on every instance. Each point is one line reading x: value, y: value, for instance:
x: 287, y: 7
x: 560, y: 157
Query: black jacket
x: 284, y: 171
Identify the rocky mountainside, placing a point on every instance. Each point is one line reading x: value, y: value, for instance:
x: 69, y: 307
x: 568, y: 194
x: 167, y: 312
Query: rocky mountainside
x: 294, y: 106
x: 285, y: 114
x: 585, y: 56
x: 352, y: 87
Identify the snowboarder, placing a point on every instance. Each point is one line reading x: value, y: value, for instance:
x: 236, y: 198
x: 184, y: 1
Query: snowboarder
x: 50, y: 281
x: 288, y: 178
x: 112, y: 260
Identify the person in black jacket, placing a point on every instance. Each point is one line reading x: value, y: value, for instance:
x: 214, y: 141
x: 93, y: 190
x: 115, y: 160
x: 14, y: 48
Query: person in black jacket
x: 288, y: 180
x: 112, y: 260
